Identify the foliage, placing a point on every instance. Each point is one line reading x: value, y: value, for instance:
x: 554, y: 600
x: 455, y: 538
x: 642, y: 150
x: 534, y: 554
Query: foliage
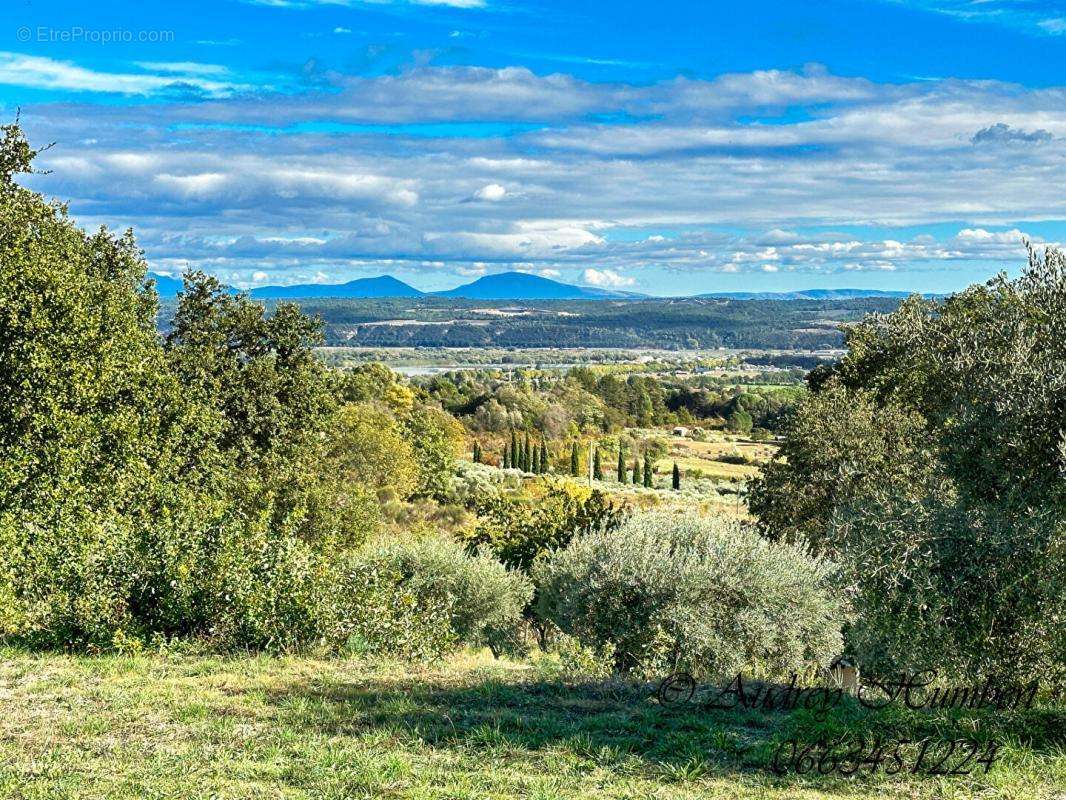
x: 428, y: 596
x: 437, y: 439
x: 370, y: 448
x: 518, y: 527
x: 932, y: 460
x: 687, y: 592
x: 106, y: 465
x: 739, y: 421
x: 376, y: 383
x: 972, y: 588
x: 840, y: 444
x: 148, y: 488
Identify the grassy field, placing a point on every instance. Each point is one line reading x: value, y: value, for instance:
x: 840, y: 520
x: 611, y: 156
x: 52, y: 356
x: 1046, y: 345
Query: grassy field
x: 705, y: 456
x: 250, y: 727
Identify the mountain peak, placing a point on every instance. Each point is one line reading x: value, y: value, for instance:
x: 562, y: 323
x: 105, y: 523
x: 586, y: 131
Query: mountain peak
x: 525, y: 286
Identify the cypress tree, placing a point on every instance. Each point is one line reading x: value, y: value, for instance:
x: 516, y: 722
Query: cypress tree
x: 647, y: 472
x: 527, y: 459
x: 506, y: 455
x: 514, y: 450
x: 621, y: 466
x: 597, y: 468
x: 543, y: 457
x: 575, y: 463
x: 636, y: 471
x: 677, y: 477
x: 477, y: 451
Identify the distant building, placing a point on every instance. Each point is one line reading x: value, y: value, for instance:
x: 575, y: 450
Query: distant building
x: 680, y: 431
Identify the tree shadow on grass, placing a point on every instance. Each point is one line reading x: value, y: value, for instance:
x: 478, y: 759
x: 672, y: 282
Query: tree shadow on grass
x: 622, y: 727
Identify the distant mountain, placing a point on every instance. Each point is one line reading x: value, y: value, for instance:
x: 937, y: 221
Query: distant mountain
x: 503, y: 286
x: 381, y: 286
x: 523, y: 286
x: 166, y: 286
x: 807, y: 294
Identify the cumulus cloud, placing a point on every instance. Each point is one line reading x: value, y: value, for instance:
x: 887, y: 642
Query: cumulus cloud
x: 491, y: 192
x: 606, y: 279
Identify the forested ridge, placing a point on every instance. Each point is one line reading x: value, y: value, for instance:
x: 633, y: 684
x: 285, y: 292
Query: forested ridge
x: 669, y: 324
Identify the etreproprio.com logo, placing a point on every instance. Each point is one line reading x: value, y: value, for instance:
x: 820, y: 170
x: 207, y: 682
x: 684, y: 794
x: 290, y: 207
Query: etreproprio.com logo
x: 80, y: 35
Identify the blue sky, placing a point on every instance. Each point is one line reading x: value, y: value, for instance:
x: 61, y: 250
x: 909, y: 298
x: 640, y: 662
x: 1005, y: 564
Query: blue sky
x: 668, y: 147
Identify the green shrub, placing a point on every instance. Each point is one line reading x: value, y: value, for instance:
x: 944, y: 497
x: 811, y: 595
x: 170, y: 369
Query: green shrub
x: 733, y: 458
x: 974, y: 589
x: 701, y: 594
x: 425, y: 597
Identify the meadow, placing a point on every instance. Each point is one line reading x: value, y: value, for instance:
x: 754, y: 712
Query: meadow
x: 208, y: 726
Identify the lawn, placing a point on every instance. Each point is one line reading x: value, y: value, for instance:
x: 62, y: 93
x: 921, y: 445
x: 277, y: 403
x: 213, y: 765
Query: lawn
x: 244, y: 727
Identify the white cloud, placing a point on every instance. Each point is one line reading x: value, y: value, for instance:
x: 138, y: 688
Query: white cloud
x: 492, y: 192
x: 1026, y: 16
x: 981, y: 236
x: 342, y: 30
x: 866, y: 158
x: 525, y: 242
x: 606, y: 278
x: 201, y: 185
x: 259, y: 275
x: 39, y: 72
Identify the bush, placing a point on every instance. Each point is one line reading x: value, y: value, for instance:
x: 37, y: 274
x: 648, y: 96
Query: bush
x: 972, y: 589
x: 687, y: 592
x: 733, y: 458
x: 423, y: 598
